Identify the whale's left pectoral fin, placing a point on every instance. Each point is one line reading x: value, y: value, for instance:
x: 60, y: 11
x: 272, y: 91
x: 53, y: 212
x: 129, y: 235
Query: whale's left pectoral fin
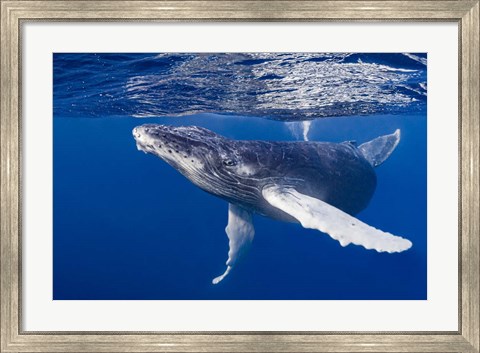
x: 240, y: 234
x: 316, y: 214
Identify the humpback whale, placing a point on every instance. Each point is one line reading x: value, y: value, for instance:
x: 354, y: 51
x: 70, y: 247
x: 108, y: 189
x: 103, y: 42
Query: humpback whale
x: 320, y: 185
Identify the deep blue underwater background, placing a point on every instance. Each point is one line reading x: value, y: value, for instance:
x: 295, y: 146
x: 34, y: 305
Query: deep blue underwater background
x: 128, y: 226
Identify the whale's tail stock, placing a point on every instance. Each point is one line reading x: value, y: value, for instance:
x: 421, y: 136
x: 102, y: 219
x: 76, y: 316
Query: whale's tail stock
x: 379, y: 149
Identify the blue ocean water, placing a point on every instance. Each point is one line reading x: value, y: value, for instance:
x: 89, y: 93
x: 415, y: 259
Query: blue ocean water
x: 128, y: 226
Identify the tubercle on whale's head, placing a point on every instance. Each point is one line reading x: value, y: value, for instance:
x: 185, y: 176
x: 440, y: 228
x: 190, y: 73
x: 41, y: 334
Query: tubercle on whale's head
x: 207, y: 159
x: 183, y: 146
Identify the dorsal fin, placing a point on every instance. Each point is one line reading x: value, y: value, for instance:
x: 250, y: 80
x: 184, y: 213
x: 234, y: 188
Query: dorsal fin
x: 379, y: 149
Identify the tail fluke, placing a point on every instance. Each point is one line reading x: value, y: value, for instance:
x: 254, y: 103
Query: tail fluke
x: 378, y: 150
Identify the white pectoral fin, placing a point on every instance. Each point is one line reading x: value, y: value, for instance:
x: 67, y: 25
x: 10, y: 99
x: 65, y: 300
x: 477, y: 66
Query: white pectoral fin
x: 316, y: 214
x: 240, y: 234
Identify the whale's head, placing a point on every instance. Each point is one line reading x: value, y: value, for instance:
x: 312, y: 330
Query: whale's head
x: 210, y: 161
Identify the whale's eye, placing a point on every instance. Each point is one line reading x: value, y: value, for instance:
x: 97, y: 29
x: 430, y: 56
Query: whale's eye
x: 229, y: 162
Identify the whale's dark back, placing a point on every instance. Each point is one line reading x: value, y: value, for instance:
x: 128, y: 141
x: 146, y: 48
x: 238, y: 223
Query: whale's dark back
x: 335, y: 173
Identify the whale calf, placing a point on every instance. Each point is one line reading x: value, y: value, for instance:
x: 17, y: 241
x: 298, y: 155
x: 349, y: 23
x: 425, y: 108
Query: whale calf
x: 320, y: 185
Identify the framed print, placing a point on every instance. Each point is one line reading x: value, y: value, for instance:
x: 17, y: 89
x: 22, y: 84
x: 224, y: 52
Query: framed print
x: 239, y: 176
